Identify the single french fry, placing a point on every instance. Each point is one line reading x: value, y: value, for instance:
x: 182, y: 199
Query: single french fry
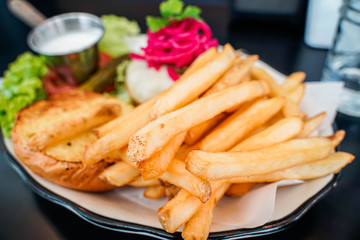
x: 281, y: 131
x: 200, y: 62
x: 71, y: 126
x: 319, y: 168
x: 239, y: 189
x: 191, y: 87
x: 155, y: 166
x: 140, y: 182
x: 197, y: 132
x: 293, y: 81
x: 235, y: 75
x: 119, y: 174
x: 312, y: 124
x: 181, y: 208
x: 275, y: 89
x: 297, y: 94
x: 144, y: 143
x: 154, y: 192
x: 178, y: 210
x: 290, y: 108
x: 240, y: 124
x: 212, y: 166
x: 198, y: 226
x: 177, y: 174
x: 119, y: 137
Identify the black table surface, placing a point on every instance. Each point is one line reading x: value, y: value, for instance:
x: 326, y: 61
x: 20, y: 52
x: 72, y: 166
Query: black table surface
x: 24, y: 215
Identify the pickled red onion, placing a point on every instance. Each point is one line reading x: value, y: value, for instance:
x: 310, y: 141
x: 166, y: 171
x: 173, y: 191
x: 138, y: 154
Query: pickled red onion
x: 177, y: 45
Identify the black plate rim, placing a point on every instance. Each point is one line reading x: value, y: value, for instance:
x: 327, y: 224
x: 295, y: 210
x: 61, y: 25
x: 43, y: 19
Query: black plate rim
x: 132, y: 228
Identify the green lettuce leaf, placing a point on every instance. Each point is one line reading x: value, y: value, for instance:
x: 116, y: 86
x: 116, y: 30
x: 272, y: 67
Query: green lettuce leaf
x: 115, y: 28
x: 120, y: 89
x: 189, y: 12
x: 21, y: 87
x: 155, y: 23
x: 172, y: 10
x: 171, y: 7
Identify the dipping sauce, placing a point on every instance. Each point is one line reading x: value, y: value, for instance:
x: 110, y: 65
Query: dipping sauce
x: 70, y: 42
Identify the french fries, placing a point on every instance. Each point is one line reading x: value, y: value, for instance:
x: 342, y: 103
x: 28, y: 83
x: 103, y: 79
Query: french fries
x: 281, y: 131
x: 240, y: 127
x: 71, y: 126
x: 319, y: 168
x: 195, y: 84
x: 235, y: 75
x: 290, y: 108
x: 144, y: 143
x: 212, y: 166
x: 241, y: 123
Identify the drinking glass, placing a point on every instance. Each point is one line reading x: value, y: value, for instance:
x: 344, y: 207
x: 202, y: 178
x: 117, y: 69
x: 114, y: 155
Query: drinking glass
x: 343, y: 59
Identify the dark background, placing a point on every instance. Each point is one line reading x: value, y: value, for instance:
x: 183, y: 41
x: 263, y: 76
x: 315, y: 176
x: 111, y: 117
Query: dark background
x: 272, y: 29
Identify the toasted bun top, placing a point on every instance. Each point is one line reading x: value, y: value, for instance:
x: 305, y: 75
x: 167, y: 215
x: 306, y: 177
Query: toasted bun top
x: 61, y: 163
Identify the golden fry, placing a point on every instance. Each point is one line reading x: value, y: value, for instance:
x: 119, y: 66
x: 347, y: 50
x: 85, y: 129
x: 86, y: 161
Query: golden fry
x: 213, y: 166
x: 120, y: 174
x: 155, y: 166
x: 281, y: 131
x: 203, y: 59
x: 195, y: 133
x: 319, y: 168
x: 290, y: 109
x: 312, y: 124
x: 293, y: 81
x: 154, y: 192
x: 297, y: 94
x: 235, y: 75
x: 240, y: 124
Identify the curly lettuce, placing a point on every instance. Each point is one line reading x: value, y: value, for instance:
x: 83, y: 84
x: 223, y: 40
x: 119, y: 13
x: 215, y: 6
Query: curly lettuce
x: 20, y: 87
x: 115, y: 28
x: 120, y: 89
